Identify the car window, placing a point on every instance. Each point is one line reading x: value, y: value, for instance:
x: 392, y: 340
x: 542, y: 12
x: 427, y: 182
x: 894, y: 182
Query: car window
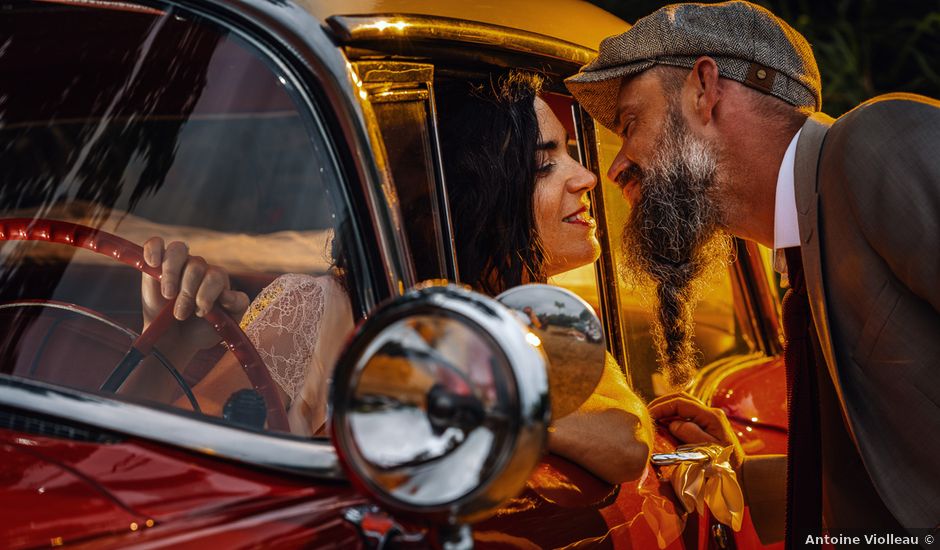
x: 145, y: 122
x: 718, y: 332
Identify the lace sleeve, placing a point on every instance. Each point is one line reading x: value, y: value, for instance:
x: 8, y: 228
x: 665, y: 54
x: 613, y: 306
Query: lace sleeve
x: 283, y: 323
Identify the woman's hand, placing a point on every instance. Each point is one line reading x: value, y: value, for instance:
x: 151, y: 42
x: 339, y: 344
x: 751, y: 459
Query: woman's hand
x: 195, y: 285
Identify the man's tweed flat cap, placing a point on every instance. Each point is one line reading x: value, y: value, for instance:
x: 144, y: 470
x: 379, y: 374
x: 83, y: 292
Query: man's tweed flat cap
x: 748, y: 43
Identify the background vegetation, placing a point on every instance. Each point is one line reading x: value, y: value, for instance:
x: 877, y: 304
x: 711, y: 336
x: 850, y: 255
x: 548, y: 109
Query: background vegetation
x: 863, y: 47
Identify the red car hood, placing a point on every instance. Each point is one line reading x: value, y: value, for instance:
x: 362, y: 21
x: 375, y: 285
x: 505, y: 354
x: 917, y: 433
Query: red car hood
x: 59, y: 491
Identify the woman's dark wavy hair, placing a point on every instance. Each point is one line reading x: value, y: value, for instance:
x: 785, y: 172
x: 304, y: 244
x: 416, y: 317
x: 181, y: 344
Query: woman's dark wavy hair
x: 488, y: 134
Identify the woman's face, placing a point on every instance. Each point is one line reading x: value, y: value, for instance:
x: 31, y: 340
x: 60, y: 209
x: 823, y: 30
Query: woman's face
x: 562, y: 209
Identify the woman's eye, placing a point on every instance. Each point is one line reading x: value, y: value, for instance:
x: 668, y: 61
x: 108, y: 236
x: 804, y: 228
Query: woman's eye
x: 545, y: 168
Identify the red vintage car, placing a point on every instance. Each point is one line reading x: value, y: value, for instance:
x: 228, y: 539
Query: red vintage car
x: 268, y: 134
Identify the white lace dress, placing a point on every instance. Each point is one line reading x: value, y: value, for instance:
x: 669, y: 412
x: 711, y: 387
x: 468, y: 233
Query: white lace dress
x: 299, y: 324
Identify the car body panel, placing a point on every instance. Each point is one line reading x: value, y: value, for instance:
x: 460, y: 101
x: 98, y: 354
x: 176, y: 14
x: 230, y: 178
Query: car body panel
x: 754, y: 400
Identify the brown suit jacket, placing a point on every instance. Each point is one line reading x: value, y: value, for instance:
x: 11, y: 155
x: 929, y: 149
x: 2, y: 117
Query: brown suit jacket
x: 868, y: 201
x: 868, y: 198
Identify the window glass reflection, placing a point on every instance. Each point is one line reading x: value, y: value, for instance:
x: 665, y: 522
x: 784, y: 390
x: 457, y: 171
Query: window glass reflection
x: 144, y: 123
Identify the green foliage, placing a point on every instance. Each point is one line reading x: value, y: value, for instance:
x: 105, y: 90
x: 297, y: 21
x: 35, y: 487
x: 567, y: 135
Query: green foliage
x: 863, y: 47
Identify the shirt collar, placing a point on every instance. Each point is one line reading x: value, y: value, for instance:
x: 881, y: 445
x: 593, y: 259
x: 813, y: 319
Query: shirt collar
x: 786, y: 225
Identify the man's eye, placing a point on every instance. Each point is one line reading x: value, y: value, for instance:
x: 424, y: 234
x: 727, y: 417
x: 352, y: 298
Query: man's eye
x: 545, y: 168
x: 626, y: 130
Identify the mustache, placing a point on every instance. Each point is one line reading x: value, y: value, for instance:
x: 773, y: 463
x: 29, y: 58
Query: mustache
x: 632, y: 173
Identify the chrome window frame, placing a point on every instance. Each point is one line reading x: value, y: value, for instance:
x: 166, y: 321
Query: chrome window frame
x: 428, y: 33
x: 759, y: 310
x: 391, y: 81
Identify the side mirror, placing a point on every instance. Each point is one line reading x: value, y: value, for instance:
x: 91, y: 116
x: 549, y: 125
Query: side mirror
x: 440, y: 405
x: 571, y: 335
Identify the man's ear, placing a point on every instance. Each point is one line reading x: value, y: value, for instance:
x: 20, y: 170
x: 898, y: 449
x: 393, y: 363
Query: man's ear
x: 705, y: 89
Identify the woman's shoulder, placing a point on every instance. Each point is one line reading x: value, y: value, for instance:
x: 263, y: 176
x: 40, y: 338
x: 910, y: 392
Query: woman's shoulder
x: 294, y: 289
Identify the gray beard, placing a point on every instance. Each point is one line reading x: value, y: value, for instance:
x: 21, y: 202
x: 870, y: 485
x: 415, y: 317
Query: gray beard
x: 673, y: 239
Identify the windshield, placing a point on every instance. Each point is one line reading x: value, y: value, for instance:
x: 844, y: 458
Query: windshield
x: 141, y: 123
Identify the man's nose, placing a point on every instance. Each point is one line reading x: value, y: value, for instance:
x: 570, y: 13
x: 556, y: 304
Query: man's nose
x: 619, y: 164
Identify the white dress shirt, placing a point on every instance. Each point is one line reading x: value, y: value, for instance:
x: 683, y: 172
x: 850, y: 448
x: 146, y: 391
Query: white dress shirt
x: 786, y: 224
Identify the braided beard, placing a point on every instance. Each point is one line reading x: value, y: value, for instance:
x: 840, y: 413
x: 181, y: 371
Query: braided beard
x: 673, y: 239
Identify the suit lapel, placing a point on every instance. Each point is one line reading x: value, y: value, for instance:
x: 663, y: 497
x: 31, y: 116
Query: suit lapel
x: 806, y: 172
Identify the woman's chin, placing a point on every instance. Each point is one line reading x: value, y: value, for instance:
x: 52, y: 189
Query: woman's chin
x: 590, y: 254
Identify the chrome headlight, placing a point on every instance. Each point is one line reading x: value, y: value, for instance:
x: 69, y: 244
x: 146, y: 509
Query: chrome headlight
x: 440, y: 404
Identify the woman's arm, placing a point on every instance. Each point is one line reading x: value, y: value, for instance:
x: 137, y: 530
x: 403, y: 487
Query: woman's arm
x: 610, y: 434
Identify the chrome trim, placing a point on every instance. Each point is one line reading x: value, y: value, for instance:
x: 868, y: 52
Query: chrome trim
x: 767, y: 300
x: 203, y: 435
x: 398, y: 72
x: 447, y: 224
x: 390, y: 81
x: 411, y: 28
x: 393, y: 96
x: 677, y: 457
x: 755, y: 305
x: 394, y: 231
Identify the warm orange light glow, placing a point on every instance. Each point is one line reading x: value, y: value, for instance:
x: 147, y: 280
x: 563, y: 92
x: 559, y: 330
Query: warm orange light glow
x: 382, y: 25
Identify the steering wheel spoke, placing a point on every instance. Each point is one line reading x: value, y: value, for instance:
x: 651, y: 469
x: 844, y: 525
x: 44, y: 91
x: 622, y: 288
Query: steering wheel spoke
x: 141, y: 348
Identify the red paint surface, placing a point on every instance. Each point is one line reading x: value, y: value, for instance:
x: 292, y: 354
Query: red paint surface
x: 755, y: 401
x: 68, y: 491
